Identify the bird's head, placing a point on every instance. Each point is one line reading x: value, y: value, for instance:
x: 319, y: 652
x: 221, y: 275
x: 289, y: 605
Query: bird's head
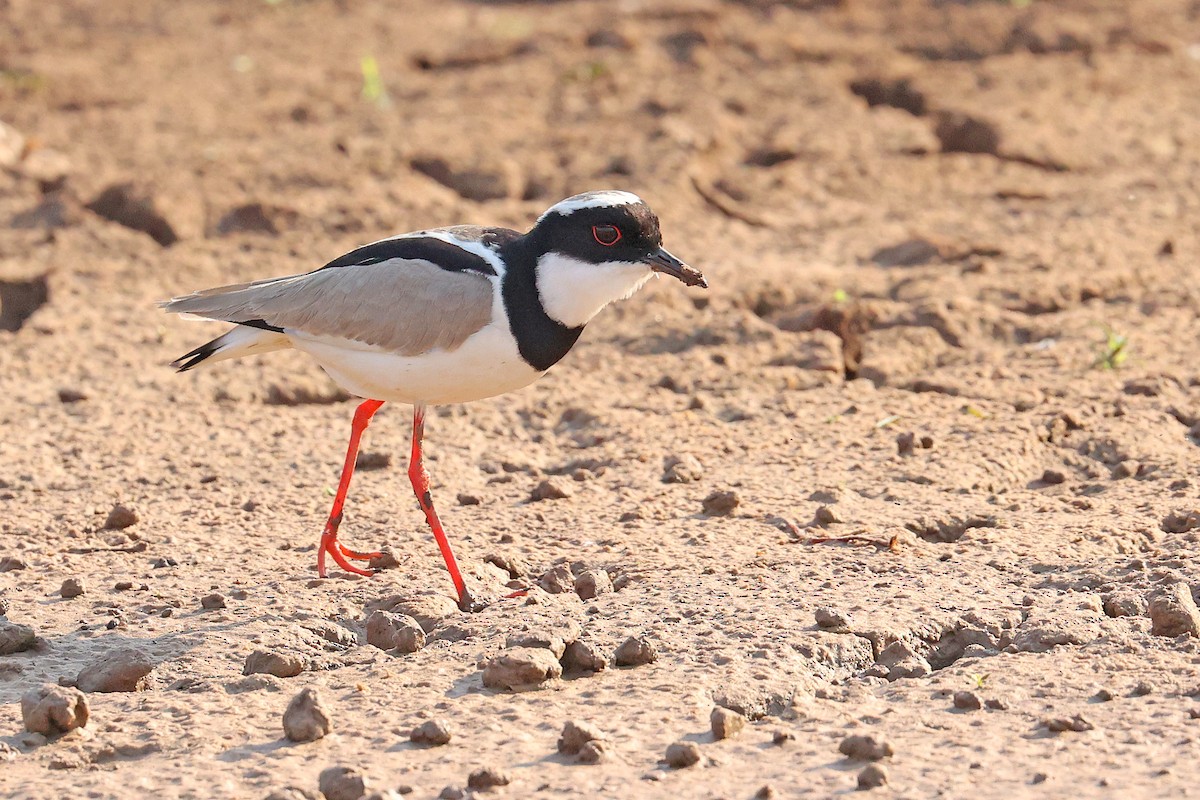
x: 598, y: 247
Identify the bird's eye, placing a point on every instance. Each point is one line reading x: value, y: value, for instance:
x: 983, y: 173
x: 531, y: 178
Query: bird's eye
x: 607, y: 235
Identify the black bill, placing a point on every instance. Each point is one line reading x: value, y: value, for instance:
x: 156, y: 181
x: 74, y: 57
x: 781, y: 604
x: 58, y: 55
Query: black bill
x: 664, y: 262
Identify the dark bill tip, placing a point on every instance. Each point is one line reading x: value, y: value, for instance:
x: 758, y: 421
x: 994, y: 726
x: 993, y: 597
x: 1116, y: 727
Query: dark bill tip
x: 664, y: 262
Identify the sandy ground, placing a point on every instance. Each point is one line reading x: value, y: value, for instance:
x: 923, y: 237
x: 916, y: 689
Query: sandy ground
x: 927, y: 226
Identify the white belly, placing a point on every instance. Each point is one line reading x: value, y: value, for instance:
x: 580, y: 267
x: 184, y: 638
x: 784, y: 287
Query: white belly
x: 485, y: 365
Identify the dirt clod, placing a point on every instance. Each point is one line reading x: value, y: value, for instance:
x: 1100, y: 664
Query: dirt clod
x: 72, y: 587
x: 550, y: 489
x: 682, y: 469
x: 486, y: 778
x: 1173, y: 612
x: 212, y: 601
x: 307, y: 717
x: 120, y: 517
x: 967, y: 701
x: 583, y: 656
x: 575, y: 735
x: 720, y: 504
x: 872, y: 776
x: 385, y: 560
x: 432, y: 732
x: 558, y: 580
x: 830, y: 619
x: 123, y: 670
x: 51, y: 710
x: 1077, y: 723
x: 634, y: 652
x: 280, y: 663
x: 521, y: 668
x: 865, y: 748
x: 683, y: 754
x: 15, y: 638
x: 389, y: 631
x: 135, y: 207
x: 342, y: 783
x: 592, y: 584
x: 726, y: 723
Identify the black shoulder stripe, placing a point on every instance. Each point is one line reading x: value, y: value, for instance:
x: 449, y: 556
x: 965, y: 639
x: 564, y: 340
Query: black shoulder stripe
x: 541, y: 340
x: 261, y: 324
x: 446, y: 255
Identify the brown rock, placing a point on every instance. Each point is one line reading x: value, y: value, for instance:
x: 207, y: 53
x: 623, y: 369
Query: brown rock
x: 307, y: 718
x: 549, y: 489
x: 682, y: 469
x: 12, y: 564
x: 593, y: 752
x: 120, y: 517
x: 555, y: 640
x: 281, y: 664
x: 342, y: 783
x: 592, y: 584
x: 123, y: 670
x: 720, y: 504
x: 433, y: 732
x: 634, y: 652
x: 1076, y: 723
x: 488, y: 778
x: 521, y: 668
x: 71, y: 587
x: 865, y: 748
x: 1173, y: 612
x: 51, y: 710
x: 385, y: 560
x: 872, y: 777
x: 134, y: 207
x: 15, y: 638
x: 683, y: 754
x: 581, y: 656
x: 575, y: 735
x: 212, y: 601
x: 387, y: 631
x: 962, y: 133
x: 726, y: 723
x: 830, y: 619
x: 967, y: 701
x: 558, y: 580
x: 427, y: 609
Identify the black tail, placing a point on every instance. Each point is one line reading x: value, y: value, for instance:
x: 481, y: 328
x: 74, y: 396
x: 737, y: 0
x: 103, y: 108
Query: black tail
x: 193, y: 359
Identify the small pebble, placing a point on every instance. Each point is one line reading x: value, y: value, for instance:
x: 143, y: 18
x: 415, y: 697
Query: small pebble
x: 682, y: 469
x: 582, y: 656
x: 120, y: 517
x: 451, y: 793
x: 592, y: 584
x: 212, y: 601
x: 865, y: 748
x: 468, y: 499
x: 1076, y: 723
x: 592, y: 752
x: 830, y: 619
x: 15, y: 638
x: 967, y: 701
x: 549, y: 489
x: 765, y: 792
x: 828, y: 515
x: 385, y: 560
x: 307, y: 717
x: 575, y: 735
x: 726, y: 723
x: 520, y: 668
x: 683, y: 754
x: 872, y: 777
x: 1053, y: 477
x: 342, y: 783
x: 12, y: 564
x: 269, y: 662
x: 72, y: 587
x: 433, y: 732
x: 780, y: 738
x: 720, y: 504
x: 634, y: 652
x: 1173, y: 612
x: 558, y: 580
x: 488, y: 778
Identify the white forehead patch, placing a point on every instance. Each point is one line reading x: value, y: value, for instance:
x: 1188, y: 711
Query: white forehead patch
x: 606, y: 199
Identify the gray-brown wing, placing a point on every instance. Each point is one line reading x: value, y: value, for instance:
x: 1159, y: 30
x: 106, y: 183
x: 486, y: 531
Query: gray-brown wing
x: 406, y: 306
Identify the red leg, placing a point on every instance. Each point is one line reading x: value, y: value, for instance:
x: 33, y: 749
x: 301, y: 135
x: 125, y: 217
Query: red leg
x: 329, y: 542
x: 420, y: 482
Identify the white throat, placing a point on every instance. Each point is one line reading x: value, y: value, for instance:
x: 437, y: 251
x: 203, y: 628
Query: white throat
x: 574, y: 291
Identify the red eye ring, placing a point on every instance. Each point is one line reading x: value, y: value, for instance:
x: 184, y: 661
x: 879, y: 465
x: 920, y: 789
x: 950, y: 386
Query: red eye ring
x: 607, y: 235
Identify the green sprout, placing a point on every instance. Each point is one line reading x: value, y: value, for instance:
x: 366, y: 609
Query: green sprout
x: 840, y: 296
x: 979, y: 679
x: 1115, y: 350
x: 373, y: 89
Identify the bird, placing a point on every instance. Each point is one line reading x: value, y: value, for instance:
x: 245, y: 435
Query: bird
x: 439, y: 316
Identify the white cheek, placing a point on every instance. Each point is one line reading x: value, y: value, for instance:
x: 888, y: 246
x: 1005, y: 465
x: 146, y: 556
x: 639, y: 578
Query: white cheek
x: 574, y: 291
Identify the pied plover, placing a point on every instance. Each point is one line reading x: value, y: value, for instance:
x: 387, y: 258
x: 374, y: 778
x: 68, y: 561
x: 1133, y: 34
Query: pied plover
x: 447, y: 315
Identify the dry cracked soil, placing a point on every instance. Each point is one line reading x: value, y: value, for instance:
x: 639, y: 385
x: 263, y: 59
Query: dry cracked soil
x: 911, y: 491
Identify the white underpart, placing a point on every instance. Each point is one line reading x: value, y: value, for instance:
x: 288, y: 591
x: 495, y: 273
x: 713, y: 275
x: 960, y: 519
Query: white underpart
x: 574, y: 291
x: 485, y: 365
x: 608, y: 199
